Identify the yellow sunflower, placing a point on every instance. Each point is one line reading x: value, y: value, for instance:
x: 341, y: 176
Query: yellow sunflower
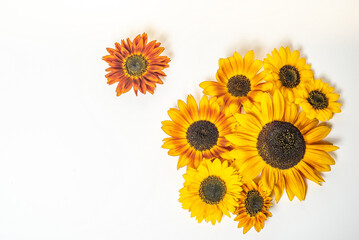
x: 254, y: 204
x: 136, y: 64
x: 281, y: 145
x: 238, y: 81
x: 318, y: 100
x: 197, y: 133
x: 211, y: 190
x: 287, y: 71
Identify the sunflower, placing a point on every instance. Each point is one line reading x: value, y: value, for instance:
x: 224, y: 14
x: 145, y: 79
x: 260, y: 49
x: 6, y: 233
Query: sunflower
x: 238, y: 81
x: 318, y: 100
x: 211, y: 190
x: 197, y: 133
x: 136, y: 64
x: 287, y: 71
x: 254, y: 203
x: 282, y: 145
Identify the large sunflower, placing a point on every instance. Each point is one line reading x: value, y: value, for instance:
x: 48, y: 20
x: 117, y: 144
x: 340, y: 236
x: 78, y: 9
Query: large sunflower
x: 282, y: 145
x: 197, y: 133
x: 238, y: 81
x: 136, y: 64
x: 287, y: 71
x: 211, y: 190
x: 254, y: 204
x: 318, y: 100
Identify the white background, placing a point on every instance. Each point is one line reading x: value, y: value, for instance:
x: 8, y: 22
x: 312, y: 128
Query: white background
x: 77, y: 162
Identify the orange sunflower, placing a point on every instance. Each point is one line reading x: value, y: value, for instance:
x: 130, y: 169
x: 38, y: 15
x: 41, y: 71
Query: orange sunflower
x: 197, y: 133
x: 253, y: 209
x: 136, y: 64
x: 238, y: 81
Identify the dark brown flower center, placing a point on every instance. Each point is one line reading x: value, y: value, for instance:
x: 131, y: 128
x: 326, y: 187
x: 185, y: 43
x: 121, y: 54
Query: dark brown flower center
x: 212, y: 190
x: 289, y: 76
x: 281, y: 144
x: 239, y: 86
x: 136, y: 65
x: 254, y: 202
x: 317, y: 99
x: 202, y: 135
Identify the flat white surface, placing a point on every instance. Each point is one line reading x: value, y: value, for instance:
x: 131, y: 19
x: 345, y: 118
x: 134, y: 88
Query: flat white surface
x: 77, y: 162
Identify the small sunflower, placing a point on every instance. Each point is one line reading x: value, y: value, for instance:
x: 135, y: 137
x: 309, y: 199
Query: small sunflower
x: 282, y: 145
x: 211, y: 190
x: 318, y: 100
x: 136, y: 64
x: 254, y: 204
x: 287, y: 71
x: 238, y: 81
x: 197, y: 133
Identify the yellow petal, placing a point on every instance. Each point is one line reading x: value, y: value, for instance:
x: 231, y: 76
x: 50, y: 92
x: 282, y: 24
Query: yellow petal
x: 278, y: 188
x: 248, y: 120
x: 233, y: 62
x: 323, y: 147
x: 267, y: 108
x: 317, y: 134
x: 320, y: 157
x: 279, y: 106
x: 248, y: 60
x: 252, y: 167
x: 192, y: 107
x: 203, y: 108
x: 309, y: 172
x: 178, y: 117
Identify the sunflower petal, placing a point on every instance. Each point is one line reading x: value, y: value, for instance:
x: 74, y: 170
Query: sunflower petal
x: 316, y: 134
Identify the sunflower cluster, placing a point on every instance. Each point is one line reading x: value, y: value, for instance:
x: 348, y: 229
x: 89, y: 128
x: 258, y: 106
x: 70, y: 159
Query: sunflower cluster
x: 258, y: 130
